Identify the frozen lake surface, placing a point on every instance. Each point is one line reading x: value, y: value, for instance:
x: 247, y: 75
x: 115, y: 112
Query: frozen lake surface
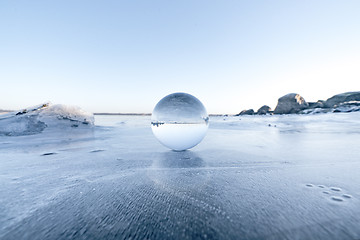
x: 255, y: 177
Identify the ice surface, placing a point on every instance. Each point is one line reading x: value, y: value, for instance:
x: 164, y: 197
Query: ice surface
x: 253, y: 177
x: 179, y: 121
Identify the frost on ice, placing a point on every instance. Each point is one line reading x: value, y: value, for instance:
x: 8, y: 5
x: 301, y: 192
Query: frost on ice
x: 35, y: 119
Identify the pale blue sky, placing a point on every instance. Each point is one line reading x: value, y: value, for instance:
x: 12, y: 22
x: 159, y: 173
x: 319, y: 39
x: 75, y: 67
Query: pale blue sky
x: 124, y: 56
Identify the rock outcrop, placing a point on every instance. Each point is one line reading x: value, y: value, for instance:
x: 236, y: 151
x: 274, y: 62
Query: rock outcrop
x: 294, y: 103
x: 264, y: 110
x: 290, y: 103
x: 246, y: 112
x: 318, y: 104
x: 342, y: 98
x: 352, y: 106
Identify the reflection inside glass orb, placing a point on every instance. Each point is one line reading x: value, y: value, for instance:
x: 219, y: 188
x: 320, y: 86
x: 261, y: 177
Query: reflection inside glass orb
x: 179, y: 121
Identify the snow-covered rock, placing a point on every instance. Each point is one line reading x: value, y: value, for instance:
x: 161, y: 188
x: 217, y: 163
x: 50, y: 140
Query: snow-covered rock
x: 315, y: 110
x: 337, y: 99
x: 352, y: 106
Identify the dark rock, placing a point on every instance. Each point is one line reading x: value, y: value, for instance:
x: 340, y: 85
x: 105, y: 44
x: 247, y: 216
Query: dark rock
x: 290, y: 103
x: 21, y: 113
x: 246, y: 112
x: 342, y: 98
x: 49, y: 153
x: 318, y: 104
x: 311, y: 104
x: 97, y: 150
x: 263, y: 110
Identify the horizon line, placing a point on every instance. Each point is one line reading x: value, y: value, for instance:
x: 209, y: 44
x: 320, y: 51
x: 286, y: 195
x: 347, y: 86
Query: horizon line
x: 149, y: 114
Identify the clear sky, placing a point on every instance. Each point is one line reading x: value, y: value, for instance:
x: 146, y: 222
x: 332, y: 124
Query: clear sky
x: 124, y: 56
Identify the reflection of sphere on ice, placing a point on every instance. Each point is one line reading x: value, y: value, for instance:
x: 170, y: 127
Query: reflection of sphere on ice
x: 179, y: 172
x: 179, y: 121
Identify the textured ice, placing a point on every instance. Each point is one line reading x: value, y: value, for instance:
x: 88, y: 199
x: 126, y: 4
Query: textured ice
x: 34, y: 120
x: 246, y: 180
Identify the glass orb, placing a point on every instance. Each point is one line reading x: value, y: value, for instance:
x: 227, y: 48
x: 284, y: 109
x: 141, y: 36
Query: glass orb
x: 179, y: 121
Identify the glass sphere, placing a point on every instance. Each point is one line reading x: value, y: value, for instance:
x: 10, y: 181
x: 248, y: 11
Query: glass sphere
x: 179, y: 121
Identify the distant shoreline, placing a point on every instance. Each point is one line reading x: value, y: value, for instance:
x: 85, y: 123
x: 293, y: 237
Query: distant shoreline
x: 142, y: 114
x: 125, y: 114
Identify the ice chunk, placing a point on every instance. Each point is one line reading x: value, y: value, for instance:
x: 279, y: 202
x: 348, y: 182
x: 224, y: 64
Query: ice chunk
x: 35, y: 119
x: 65, y: 112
